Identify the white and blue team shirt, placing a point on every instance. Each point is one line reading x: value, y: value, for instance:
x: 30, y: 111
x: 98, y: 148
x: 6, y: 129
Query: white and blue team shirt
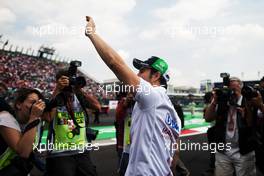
x: 154, y: 130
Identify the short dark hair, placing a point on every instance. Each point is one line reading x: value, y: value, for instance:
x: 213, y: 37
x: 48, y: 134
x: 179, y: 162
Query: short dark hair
x: 23, y: 93
x: 61, y: 73
x: 4, y: 106
x: 162, y: 80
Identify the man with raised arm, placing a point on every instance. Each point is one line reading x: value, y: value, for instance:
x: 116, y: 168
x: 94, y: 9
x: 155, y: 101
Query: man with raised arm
x: 155, y: 124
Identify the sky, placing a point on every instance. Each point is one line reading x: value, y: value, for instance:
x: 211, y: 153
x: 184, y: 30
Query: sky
x: 198, y: 38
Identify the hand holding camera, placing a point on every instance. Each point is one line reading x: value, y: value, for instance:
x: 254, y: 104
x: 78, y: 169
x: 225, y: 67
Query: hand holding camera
x: 37, y: 109
x: 257, y: 101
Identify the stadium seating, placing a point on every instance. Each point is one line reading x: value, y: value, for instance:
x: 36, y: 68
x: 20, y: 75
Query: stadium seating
x: 18, y: 71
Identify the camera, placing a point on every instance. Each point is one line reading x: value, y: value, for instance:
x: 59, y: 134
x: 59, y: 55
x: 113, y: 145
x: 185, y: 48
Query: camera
x: 72, y: 73
x: 91, y: 134
x: 226, y: 79
x: 250, y: 92
x: 225, y: 96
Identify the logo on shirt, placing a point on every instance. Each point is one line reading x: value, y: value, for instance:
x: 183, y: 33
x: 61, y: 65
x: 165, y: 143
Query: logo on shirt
x: 172, y: 123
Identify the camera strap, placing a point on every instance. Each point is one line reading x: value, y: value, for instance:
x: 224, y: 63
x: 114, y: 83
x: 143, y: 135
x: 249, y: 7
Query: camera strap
x: 81, y: 100
x: 68, y: 105
x: 90, y: 137
x: 71, y: 113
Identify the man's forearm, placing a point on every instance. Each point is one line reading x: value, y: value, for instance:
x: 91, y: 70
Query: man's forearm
x: 93, y: 101
x: 109, y: 55
x: 210, y: 113
x: 24, y: 146
x: 113, y: 60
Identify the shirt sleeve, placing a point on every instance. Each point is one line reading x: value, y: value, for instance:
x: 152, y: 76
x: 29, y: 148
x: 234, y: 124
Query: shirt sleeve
x: 7, y: 120
x: 146, y: 96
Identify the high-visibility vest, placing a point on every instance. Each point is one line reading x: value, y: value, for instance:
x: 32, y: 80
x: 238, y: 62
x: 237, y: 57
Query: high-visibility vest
x: 127, y: 127
x: 64, y: 138
x: 9, y: 154
x: 6, y: 157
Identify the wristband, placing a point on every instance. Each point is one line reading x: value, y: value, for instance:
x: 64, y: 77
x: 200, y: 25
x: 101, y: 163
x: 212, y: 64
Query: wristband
x: 32, y: 124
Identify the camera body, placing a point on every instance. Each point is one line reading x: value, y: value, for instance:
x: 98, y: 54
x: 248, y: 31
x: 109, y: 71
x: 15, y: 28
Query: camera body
x: 72, y: 73
x: 91, y: 134
x: 225, y: 96
x: 250, y: 92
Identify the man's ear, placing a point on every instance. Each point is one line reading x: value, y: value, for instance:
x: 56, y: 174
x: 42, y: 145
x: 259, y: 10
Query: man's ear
x: 156, y: 76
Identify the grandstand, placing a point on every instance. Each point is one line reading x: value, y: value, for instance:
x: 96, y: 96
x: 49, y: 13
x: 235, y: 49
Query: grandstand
x: 20, y: 69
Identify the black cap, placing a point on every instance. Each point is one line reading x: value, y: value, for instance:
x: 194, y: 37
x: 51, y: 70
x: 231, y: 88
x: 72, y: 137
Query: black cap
x: 138, y: 64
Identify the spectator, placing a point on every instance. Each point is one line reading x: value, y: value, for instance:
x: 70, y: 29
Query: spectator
x: 210, y: 135
x: 257, y: 103
x: 180, y: 167
x: 123, y: 122
x: 179, y: 111
x: 26, y: 71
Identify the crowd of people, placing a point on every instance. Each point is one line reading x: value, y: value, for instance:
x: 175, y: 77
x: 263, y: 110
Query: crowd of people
x: 18, y: 70
x: 24, y: 71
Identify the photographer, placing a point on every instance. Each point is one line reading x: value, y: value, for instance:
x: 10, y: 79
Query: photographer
x: 18, y: 131
x: 68, y: 131
x: 210, y: 134
x: 258, y: 107
x: 258, y: 101
x: 233, y: 126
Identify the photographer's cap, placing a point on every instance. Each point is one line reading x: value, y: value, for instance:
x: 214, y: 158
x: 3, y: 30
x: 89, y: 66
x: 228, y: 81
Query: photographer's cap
x: 234, y: 78
x: 154, y: 62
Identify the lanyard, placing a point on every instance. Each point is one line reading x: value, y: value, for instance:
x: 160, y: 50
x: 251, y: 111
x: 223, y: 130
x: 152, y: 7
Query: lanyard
x: 231, y: 124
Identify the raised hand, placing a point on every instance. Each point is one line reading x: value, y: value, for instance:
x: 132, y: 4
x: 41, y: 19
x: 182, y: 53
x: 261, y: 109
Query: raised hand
x: 90, y: 26
x: 37, y: 109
